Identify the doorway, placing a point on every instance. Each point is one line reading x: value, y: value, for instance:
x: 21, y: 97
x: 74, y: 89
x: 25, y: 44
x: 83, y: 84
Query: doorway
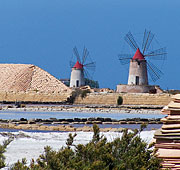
x: 137, y: 80
x: 77, y: 83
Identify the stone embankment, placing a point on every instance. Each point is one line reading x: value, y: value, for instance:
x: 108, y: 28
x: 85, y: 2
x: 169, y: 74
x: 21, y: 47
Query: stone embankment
x: 54, y: 124
x: 128, y: 98
x: 132, y: 109
x: 33, y: 96
x: 89, y: 99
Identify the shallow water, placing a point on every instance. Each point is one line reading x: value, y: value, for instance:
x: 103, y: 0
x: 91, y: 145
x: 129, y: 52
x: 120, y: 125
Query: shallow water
x: 129, y: 126
x: 71, y: 115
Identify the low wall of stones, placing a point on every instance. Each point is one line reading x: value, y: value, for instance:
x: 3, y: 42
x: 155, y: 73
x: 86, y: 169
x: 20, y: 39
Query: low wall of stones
x: 33, y: 97
x: 54, y: 124
x: 128, y: 99
x: 134, y: 88
x: 91, y: 98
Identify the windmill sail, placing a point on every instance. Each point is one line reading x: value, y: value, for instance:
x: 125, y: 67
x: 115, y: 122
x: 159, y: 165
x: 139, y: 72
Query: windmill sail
x: 90, y: 66
x: 154, y: 72
x: 125, y: 58
x: 159, y: 54
x: 131, y: 41
x: 143, y: 55
x: 76, y: 54
x: 83, y: 62
x: 147, y: 39
x: 85, y: 55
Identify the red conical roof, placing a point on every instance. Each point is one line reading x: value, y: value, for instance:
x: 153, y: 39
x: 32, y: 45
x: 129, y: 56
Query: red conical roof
x: 78, y: 65
x: 138, y: 55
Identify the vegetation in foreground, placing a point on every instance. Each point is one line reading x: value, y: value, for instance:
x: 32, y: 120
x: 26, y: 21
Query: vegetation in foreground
x: 3, y: 150
x: 129, y: 152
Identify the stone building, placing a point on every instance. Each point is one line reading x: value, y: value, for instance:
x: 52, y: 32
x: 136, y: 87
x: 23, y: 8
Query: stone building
x: 77, y: 75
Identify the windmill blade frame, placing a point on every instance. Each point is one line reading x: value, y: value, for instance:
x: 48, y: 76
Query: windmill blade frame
x: 125, y: 58
x: 72, y: 62
x: 90, y: 66
x: 154, y: 72
x: 147, y: 39
x: 151, y: 73
x: 85, y: 55
x: 87, y: 75
x: 159, y: 54
x: 131, y: 41
x: 76, y: 53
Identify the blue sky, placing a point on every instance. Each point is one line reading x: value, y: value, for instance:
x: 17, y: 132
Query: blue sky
x: 43, y: 33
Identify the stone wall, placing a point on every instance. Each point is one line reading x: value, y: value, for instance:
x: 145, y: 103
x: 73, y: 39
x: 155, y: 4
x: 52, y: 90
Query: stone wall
x: 91, y: 98
x: 128, y: 99
x: 33, y: 97
x: 124, y: 88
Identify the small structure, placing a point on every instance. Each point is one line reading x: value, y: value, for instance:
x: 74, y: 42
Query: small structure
x: 140, y: 66
x: 168, y: 137
x: 80, y: 68
x: 77, y: 75
x: 138, y: 70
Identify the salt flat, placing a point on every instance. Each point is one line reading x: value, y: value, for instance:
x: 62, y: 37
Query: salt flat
x: 31, y: 144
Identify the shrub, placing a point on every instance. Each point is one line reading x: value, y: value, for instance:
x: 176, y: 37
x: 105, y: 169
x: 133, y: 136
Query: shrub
x: 77, y: 93
x: 3, y: 150
x: 119, y: 100
x: 83, y: 93
x: 72, y: 98
x: 128, y: 152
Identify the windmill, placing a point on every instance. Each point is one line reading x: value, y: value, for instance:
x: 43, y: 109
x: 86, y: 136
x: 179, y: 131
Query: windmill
x: 141, y: 61
x: 82, y: 68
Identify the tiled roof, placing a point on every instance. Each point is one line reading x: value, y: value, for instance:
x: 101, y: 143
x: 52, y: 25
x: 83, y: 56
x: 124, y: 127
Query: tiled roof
x: 138, y: 55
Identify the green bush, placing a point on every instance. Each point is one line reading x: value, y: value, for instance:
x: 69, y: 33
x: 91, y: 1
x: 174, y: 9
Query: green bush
x: 77, y: 93
x: 3, y: 150
x: 84, y: 93
x: 119, y: 100
x: 129, y: 152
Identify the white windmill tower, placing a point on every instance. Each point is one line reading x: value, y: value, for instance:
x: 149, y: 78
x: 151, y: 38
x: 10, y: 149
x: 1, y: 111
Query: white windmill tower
x: 138, y: 70
x: 80, y: 68
x: 140, y: 65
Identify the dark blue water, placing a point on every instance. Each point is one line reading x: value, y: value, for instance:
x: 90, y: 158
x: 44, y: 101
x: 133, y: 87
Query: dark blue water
x: 71, y: 115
